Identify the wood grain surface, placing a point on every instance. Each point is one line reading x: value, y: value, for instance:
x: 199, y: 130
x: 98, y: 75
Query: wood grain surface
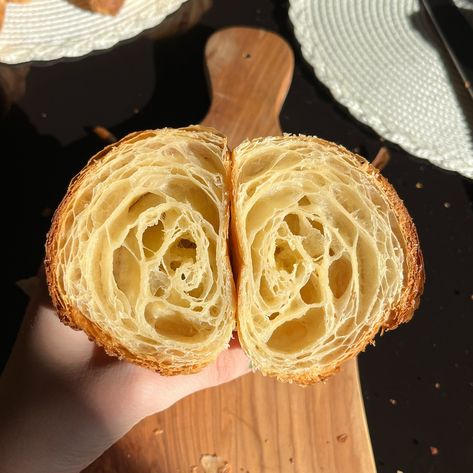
x: 255, y: 423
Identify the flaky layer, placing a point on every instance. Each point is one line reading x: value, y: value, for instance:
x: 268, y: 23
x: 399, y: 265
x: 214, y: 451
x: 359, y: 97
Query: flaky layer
x: 137, y: 255
x: 326, y: 253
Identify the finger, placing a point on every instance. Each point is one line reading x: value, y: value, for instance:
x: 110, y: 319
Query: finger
x: 53, y: 342
x: 159, y: 392
x: 229, y: 365
x: 234, y: 342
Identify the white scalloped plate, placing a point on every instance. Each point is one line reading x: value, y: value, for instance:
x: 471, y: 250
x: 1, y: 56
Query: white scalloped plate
x: 44, y: 30
x: 383, y: 61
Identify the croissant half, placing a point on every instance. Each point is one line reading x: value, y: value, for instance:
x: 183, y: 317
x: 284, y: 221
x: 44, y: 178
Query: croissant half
x: 137, y: 255
x: 324, y: 252
x: 326, y: 255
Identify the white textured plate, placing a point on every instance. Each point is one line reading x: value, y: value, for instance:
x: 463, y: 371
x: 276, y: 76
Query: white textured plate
x: 44, y: 30
x: 383, y: 61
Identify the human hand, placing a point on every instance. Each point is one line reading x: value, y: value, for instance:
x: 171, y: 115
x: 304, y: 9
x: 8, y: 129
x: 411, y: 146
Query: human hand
x: 63, y: 401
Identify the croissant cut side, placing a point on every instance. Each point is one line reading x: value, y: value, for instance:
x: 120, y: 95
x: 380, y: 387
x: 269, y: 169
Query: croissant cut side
x: 137, y: 255
x: 326, y: 255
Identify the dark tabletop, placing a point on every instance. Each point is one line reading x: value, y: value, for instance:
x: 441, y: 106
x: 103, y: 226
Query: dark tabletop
x: 418, y: 380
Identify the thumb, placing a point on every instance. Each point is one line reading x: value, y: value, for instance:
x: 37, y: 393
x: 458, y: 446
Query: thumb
x: 163, y: 391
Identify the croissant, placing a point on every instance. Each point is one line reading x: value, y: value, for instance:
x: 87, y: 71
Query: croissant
x: 324, y: 252
x: 137, y: 255
x: 106, y: 7
x: 326, y: 255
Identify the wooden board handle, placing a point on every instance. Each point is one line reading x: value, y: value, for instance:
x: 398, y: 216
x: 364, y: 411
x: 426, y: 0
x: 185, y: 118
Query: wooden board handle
x: 250, y: 71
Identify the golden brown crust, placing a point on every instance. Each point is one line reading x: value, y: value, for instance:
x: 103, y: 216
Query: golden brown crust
x: 69, y: 314
x: 106, y: 7
x: 413, y: 287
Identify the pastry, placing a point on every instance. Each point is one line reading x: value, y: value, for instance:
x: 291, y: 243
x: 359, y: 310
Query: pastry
x: 106, y: 7
x: 137, y: 255
x: 326, y: 255
x: 324, y: 252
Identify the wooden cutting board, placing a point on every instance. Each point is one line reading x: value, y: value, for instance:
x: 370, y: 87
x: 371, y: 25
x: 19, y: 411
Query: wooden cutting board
x: 255, y: 423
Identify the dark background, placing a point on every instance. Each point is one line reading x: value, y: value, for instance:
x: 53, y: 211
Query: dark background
x: 417, y: 381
